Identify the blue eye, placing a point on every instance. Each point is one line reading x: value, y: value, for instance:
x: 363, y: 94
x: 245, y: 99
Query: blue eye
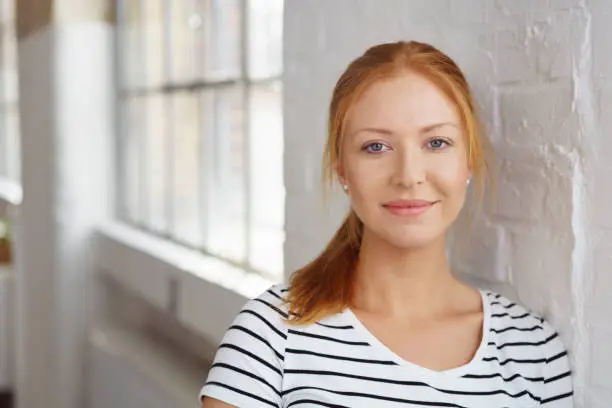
x: 437, y: 144
x: 375, y: 147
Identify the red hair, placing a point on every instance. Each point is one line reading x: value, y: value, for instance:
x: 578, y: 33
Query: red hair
x: 324, y: 286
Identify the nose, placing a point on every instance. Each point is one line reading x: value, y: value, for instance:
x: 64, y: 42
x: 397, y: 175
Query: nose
x: 409, y: 168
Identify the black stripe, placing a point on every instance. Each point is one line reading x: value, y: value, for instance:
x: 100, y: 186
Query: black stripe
x: 356, y: 360
x: 318, y: 336
x: 258, y: 337
x: 378, y: 397
x: 513, y: 360
x: 248, y: 374
x: 556, y: 357
x: 270, y: 325
x: 271, y: 306
x: 275, y: 295
x: 523, y: 343
x: 508, y: 306
x: 512, y: 317
x: 509, y: 379
x: 348, y: 327
x: 505, y: 329
x: 557, y: 377
x: 408, y: 383
x: 552, y: 337
x: 253, y: 356
x: 313, y: 402
x: 248, y: 394
x: 557, y: 397
x: 285, y: 290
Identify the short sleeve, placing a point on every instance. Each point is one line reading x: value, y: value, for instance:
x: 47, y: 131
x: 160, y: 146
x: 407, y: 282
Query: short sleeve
x: 248, y: 367
x: 558, y: 388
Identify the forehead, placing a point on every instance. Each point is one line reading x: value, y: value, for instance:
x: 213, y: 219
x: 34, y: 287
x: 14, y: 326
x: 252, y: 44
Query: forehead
x: 406, y: 102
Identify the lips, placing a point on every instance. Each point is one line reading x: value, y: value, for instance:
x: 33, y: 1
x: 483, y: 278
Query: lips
x: 407, y: 208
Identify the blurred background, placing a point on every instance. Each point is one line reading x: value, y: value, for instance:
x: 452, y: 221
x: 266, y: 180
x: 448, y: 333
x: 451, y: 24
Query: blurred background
x: 160, y: 165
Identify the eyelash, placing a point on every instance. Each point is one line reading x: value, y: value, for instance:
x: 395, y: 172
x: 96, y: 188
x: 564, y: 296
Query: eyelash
x: 369, y: 145
x: 447, y: 142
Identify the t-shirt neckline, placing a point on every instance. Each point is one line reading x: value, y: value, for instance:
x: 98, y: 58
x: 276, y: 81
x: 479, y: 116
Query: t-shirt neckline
x: 427, y: 372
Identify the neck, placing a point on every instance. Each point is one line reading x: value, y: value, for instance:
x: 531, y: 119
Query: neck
x: 398, y: 282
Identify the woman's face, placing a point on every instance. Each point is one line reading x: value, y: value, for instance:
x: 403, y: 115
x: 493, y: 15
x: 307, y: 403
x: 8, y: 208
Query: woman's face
x: 404, y: 160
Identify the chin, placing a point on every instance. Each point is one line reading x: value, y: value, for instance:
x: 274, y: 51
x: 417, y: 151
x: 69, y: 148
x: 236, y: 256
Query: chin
x: 407, y: 243
x: 411, y: 238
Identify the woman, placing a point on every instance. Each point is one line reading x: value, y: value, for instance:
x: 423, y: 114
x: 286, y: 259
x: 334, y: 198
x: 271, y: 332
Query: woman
x: 377, y: 319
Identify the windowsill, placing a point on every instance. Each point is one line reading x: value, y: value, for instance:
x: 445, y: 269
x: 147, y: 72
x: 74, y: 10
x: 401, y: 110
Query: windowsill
x: 10, y: 193
x: 203, y: 292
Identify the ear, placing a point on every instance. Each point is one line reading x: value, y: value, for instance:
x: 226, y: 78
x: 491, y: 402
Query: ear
x: 340, y: 175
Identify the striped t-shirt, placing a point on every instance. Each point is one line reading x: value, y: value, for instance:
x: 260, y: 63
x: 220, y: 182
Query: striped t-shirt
x: 336, y: 362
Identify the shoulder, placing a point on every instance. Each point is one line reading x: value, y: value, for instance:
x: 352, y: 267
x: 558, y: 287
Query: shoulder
x: 521, y: 336
x: 259, y: 331
x: 515, y: 323
x: 249, y: 363
x: 505, y: 311
x: 268, y: 311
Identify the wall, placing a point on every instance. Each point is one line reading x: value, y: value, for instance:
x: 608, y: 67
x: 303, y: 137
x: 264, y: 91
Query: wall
x: 66, y: 89
x: 541, y: 73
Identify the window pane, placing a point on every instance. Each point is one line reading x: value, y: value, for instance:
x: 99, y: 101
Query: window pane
x: 7, y: 10
x: 154, y: 41
x: 131, y: 159
x: 185, y: 23
x: 227, y: 233
x: 219, y: 39
x: 156, y: 160
x: 207, y: 165
x: 13, y: 145
x: 132, y: 55
x: 9, y: 64
x: 3, y: 144
x: 186, y: 167
x: 265, y: 38
x: 266, y: 204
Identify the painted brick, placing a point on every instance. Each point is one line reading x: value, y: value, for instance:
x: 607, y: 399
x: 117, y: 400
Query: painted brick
x: 601, y: 197
x: 522, y: 191
x: 600, y: 397
x: 604, y: 149
x: 514, y: 57
x: 502, y: 11
x: 541, y: 266
x: 471, y: 12
x: 601, y: 357
x: 602, y: 46
x: 482, y: 252
x: 557, y: 40
x: 540, y: 115
x: 602, y: 266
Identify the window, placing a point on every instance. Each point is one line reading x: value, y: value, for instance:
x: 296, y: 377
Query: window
x: 201, y: 143
x: 9, y: 102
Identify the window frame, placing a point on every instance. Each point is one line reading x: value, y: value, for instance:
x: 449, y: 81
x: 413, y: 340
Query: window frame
x: 166, y: 90
x: 10, y: 138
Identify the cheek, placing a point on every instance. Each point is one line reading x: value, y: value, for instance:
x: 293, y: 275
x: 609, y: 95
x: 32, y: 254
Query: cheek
x: 365, y: 177
x: 450, y: 176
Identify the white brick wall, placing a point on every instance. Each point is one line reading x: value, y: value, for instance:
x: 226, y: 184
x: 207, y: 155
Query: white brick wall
x: 542, y: 72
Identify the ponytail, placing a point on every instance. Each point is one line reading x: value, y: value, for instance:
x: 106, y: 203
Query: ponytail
x: 324, y: 286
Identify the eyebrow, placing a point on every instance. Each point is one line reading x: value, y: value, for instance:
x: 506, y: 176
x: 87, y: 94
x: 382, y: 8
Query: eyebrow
x: 434, y: 126
x: 425, y: 129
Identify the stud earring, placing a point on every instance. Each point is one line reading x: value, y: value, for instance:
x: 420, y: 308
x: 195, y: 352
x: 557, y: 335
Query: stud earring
x: 345, y: 187
x: 468, y: 182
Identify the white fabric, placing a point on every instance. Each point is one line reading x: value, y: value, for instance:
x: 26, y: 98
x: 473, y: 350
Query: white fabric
x: 337, y: 362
